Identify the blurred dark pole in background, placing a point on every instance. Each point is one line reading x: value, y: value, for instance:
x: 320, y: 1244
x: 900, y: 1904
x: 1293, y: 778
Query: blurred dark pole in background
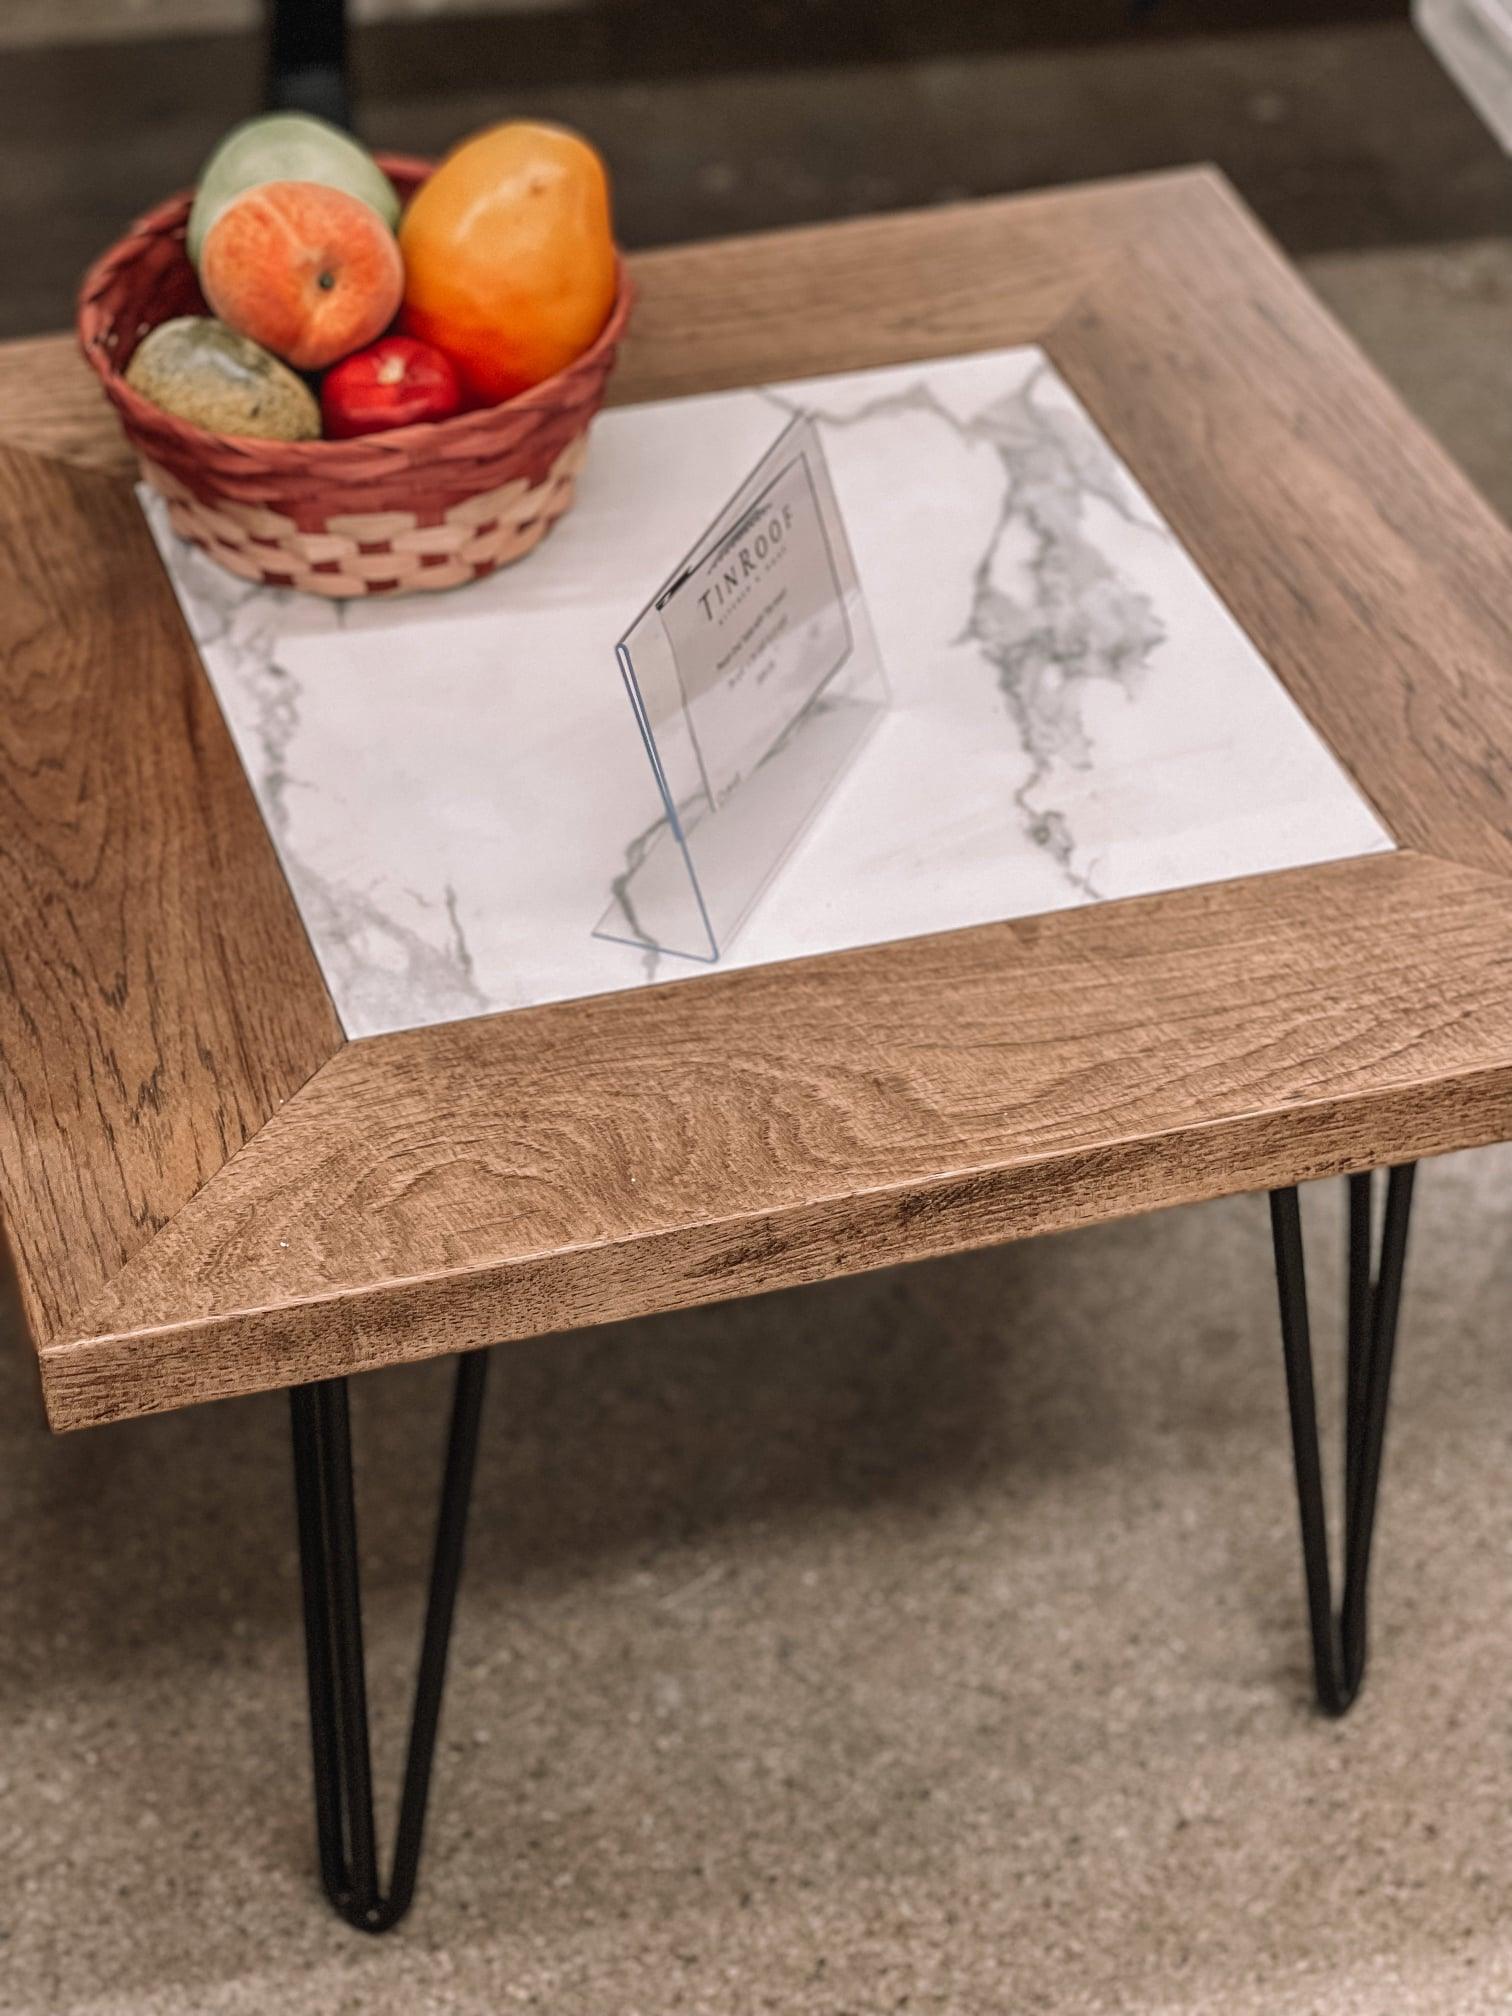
x: 307, y: 58
x: 307, y: 39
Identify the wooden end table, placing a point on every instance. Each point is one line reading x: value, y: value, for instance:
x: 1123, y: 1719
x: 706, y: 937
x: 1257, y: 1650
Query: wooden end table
x: 209, y: 1191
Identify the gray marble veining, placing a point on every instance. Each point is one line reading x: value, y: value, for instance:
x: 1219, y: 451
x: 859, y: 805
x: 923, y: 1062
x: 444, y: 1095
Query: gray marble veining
x: 1077, y: 617
x: 456, y: 787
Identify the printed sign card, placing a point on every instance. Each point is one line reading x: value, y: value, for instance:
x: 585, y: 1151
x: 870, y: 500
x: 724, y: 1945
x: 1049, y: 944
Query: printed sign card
x: 758, y: 627
x: 755, y: 679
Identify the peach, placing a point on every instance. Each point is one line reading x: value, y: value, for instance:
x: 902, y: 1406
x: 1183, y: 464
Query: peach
x: 307, y: 271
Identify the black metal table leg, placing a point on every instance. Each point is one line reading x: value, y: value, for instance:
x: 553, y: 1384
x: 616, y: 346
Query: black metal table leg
x: 1339, y: 1638
x: 329, y: 1574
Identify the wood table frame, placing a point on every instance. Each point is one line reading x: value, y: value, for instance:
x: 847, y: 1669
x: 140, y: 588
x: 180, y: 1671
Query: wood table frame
x: 209, y: 1191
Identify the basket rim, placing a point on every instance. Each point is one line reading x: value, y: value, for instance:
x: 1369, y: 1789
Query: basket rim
x: 165, y: 217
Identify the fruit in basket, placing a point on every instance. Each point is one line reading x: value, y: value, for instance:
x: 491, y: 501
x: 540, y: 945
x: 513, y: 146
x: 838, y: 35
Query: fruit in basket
x: 286, y: 147
x: 308, y: 271
x: 393, y: 383
x: 509, y: 256
x: 209, y: 375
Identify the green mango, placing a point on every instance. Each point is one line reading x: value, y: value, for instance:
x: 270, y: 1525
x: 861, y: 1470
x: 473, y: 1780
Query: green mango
x: 286, y: 147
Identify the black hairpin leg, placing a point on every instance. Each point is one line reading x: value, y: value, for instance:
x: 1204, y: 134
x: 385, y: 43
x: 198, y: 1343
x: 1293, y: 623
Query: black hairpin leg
x: 333, y: 1646
x: 1339, y: 1638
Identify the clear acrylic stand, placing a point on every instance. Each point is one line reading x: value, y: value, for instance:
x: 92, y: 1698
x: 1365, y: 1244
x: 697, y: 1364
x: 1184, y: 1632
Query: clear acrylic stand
x: 755, y: 679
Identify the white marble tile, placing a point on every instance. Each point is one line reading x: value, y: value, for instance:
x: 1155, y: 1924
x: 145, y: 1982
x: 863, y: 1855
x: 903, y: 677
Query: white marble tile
x: 452, y: 781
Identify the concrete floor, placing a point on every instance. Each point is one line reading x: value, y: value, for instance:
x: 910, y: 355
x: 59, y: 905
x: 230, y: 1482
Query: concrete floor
x: 930, y: 1642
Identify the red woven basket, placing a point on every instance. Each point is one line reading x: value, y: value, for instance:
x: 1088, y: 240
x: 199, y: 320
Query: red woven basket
x: 429, y: 506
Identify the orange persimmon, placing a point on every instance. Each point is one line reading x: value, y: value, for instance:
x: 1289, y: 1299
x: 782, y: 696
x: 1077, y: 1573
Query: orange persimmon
x: 509, y: 256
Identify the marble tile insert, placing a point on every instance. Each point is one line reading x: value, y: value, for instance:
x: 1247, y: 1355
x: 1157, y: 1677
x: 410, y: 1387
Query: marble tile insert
x: 454, y: 782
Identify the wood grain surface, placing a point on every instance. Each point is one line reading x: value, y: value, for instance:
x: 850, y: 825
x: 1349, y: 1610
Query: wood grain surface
x: 158, y: 998
x: 51, y: 404
x: 868, y: 291
x: 676, y: 1145
x: 1371, y: 575
x: 195, y: 1214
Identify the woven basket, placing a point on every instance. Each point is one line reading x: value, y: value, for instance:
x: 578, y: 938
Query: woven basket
x: 428, y: 506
